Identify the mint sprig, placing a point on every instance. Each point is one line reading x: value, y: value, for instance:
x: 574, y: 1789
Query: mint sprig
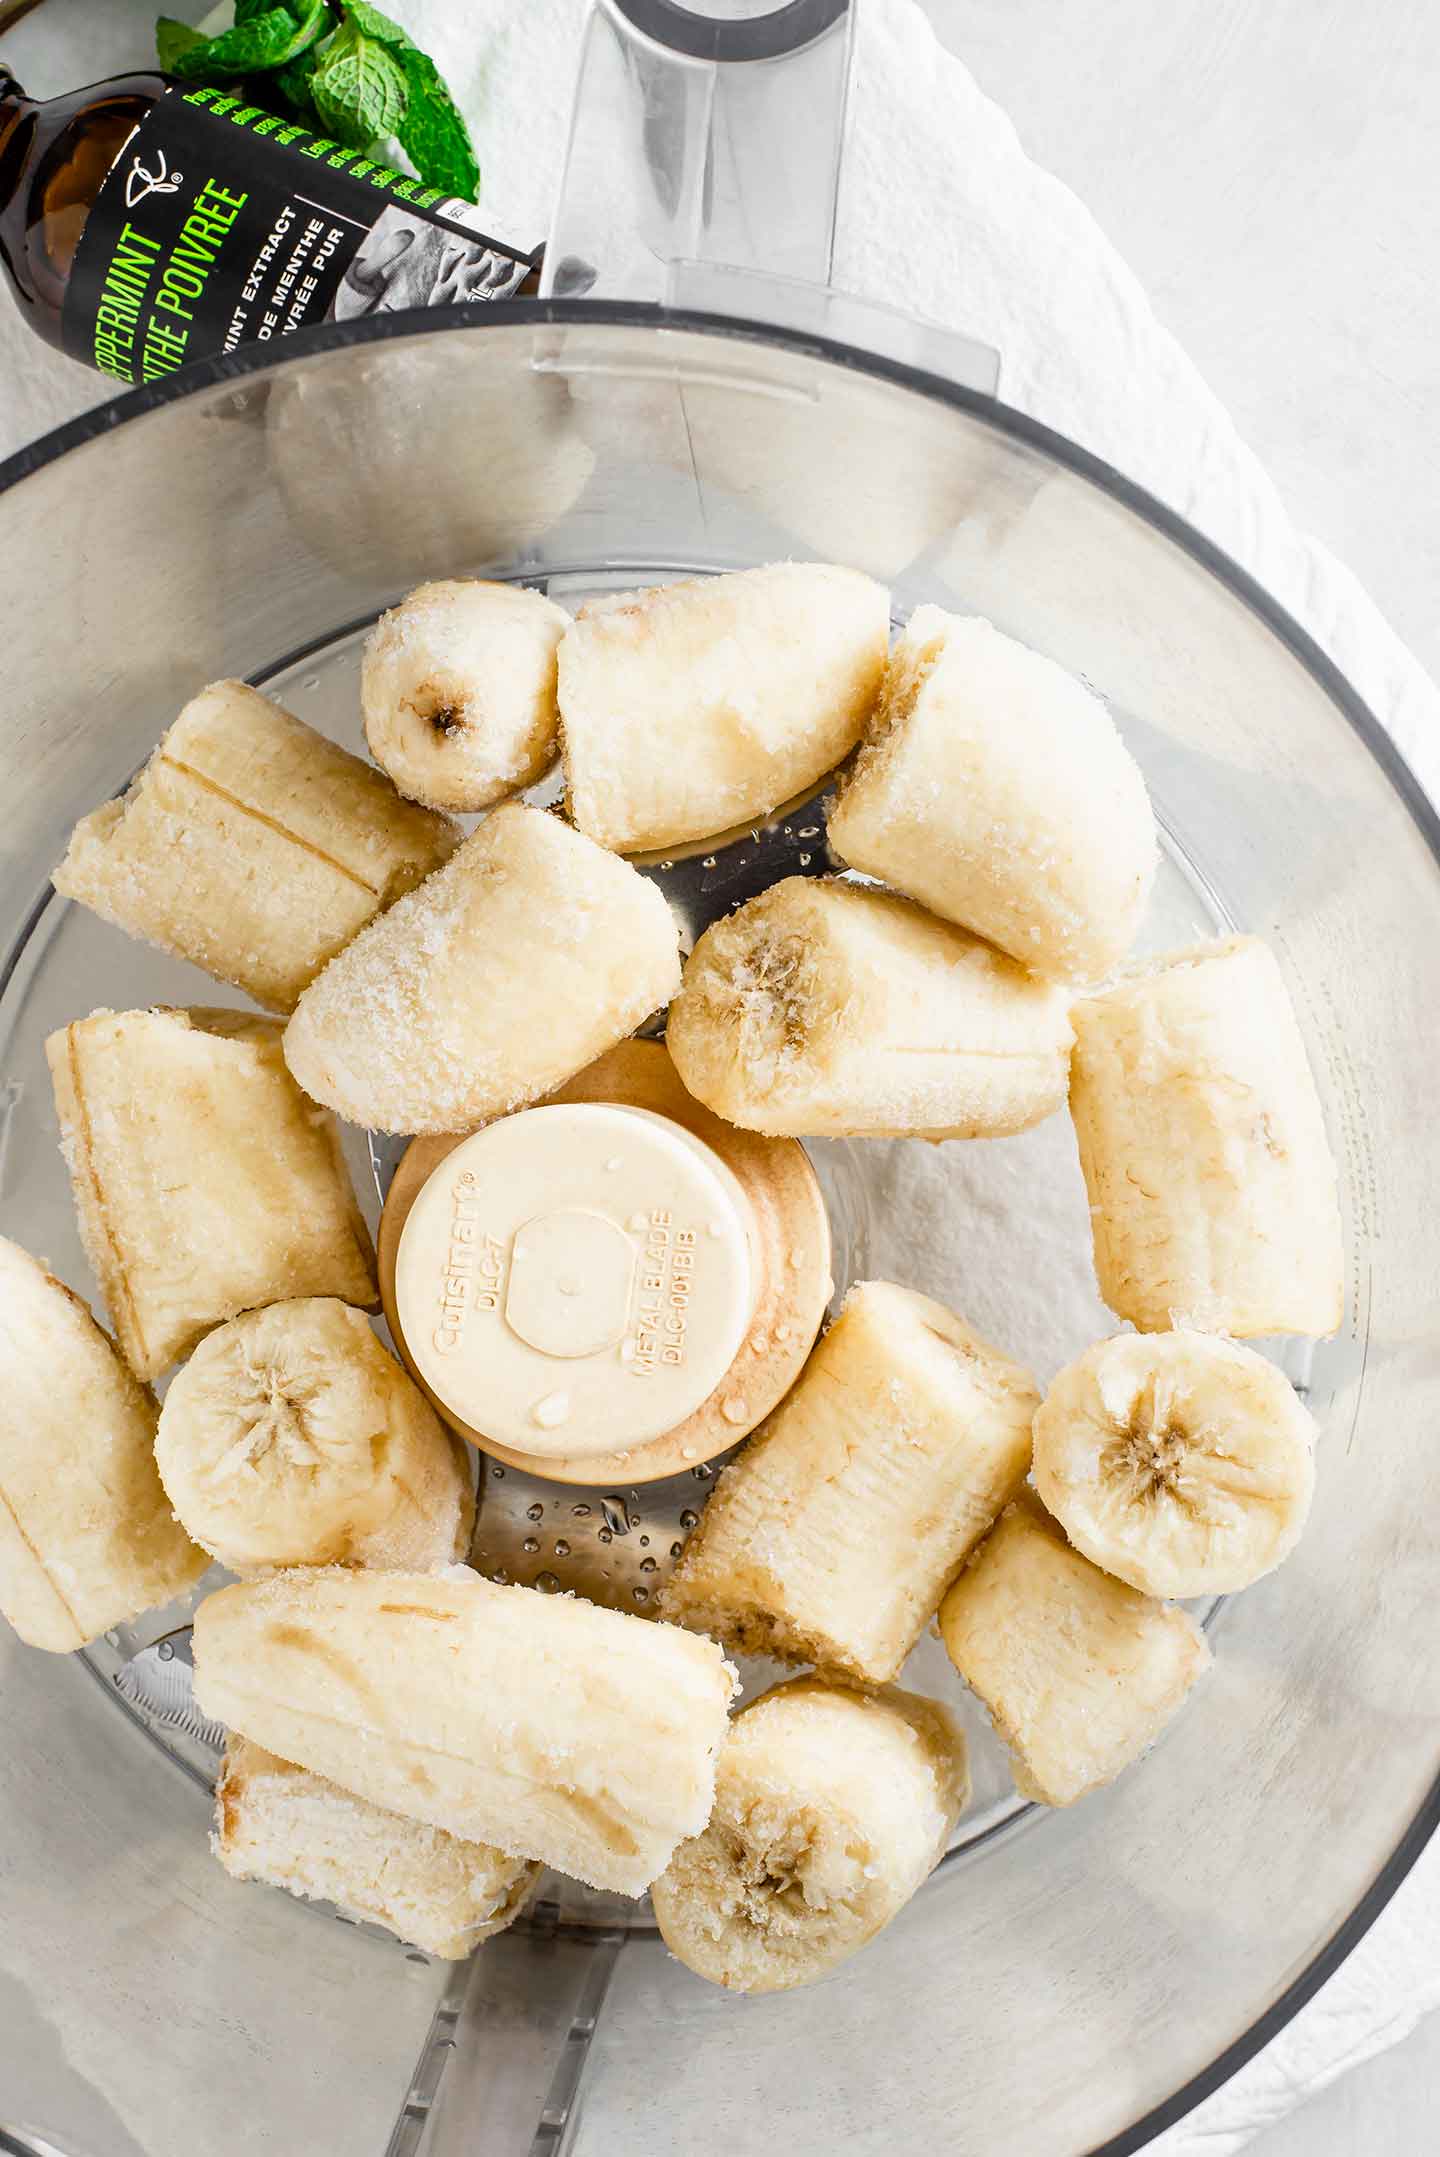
x: 341, y: 65
x: 358, y: 88
x: 432, y: 131
x: 268, y: 40
x: 172, y: 39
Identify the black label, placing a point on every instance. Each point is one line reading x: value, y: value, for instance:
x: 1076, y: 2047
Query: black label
x: 221, y: 225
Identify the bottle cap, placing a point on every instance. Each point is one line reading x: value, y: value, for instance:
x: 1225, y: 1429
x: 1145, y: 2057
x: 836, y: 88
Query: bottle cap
x: 576, y: 1280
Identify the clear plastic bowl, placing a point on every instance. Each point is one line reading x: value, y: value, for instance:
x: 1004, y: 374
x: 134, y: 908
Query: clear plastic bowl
x: 1067, y: 1981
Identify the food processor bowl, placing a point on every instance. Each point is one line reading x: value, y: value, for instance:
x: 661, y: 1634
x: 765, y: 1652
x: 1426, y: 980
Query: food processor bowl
x: 1067, y: 1980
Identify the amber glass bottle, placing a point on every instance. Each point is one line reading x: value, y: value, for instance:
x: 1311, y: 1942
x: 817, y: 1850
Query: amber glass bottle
x: 53, y: 159
x: 145, y: 222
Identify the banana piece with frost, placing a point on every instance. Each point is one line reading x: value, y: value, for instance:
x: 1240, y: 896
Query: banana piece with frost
x: 1181, y: 1463
x: 689, y: 708
x: 292, y: 1438
x: 527, y: 956
x: 822, y: 1009
x: 831, y: 1808
x: 1080, y: 1673
x: 280, y: 1824
x: 580, y: 1737
x: 995, y: 789
x: 204, y: 1181
x: 831, y: 1538
x: 458, y: 691
x: 87, y: 1538
x: 1212, y: 1188
x: 251, y: 845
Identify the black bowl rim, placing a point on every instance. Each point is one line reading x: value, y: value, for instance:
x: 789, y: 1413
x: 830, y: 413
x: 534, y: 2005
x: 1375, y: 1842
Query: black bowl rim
x: 251, y: 360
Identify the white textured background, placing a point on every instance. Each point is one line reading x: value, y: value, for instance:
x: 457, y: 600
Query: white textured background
x: 1271, y: 171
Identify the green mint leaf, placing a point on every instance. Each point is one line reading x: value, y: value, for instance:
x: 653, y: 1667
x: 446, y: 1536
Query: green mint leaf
x: 171, y: 39
x: 432, y: 132
x: 247, y: 10
x: 372, y: 24
x: 267, y: 40
x: 292, y: 84
x: 358, y: 89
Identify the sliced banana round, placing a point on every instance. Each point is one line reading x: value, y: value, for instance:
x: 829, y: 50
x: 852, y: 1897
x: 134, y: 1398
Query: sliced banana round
x: 292, y: 1438
x: 831, y: 1808
x: 1180, y: 1462
x: 458, y: 691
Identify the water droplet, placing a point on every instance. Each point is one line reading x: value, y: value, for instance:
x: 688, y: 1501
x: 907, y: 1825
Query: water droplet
x: 687, y: 1452
x: 113, y: 1639
x: 703, y: 1473
x: 805, y: 860
x: 500, y: 1576
x: 613, y: 1164
x: 666, y: 865
x: 562, y: 1548
x: 617, y: 1520
x: 166, y: 1651
x: 797, y: 1258
x: 581, y: 1512
x: 497, y: 1471
x: 647, y: 1565
x: 531, y: 1543
x: 689, y: 1518
x: 759, y: 1344
x: 675, y: 1549
x: 641, y: 1595
x: 604, y: 1536
x: 551, y: 1410
x: 708, y: 862
x: 809, y: 831
x: 735, y: 1408
x: 534, y: 1512
x: 547, y: 1583
x: 312, y: 681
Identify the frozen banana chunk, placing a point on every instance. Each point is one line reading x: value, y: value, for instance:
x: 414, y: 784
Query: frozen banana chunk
x: 522, y: 960
x: 557, y: 1731
x: 204, y: 1181
x: 826, y: 1010
x: 291, y: 1437
x: 830, y: 1539
x: 1080, y: 1673
x: 1182, y: 1463
x: 995, y: 790
x: 458, y: 691
x: 87, y: 1538
x: 1212, y: 1188
x: 831, y: 1808
x: 689, y: 708
x: 251, y: 845
x: 279, y: 1823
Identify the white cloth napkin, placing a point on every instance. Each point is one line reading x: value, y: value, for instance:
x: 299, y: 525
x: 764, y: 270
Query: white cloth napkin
x: 941, y: 210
